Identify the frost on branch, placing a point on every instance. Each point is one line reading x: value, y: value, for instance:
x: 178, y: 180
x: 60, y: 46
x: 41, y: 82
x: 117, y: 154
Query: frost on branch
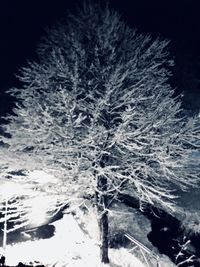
x: 97, y: 111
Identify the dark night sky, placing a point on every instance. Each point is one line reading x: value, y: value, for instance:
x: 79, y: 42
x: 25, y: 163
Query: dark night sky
x: 22, y: 23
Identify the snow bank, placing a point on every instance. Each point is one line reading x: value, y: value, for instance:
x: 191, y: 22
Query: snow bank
x: 68, y: 247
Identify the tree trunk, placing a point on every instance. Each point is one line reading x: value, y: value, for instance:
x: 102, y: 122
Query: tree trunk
x: 102, y: 203
x: 103, y: 224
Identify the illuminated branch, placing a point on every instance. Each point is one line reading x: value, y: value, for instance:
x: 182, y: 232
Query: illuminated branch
x: 97, y: 111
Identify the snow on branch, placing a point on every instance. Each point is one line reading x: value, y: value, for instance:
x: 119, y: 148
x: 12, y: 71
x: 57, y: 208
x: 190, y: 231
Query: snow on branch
x: 98, y: 104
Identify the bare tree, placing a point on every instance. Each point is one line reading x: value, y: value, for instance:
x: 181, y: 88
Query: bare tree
x: 97, y: 110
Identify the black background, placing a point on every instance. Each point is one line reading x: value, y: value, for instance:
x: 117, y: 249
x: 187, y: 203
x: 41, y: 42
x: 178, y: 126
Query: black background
x: 22, y: 23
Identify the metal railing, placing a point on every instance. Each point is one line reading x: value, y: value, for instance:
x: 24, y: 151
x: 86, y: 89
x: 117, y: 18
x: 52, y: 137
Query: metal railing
x: 143, y: 249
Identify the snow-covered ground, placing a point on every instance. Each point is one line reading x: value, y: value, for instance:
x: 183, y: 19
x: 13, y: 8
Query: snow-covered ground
x: 68, y: 247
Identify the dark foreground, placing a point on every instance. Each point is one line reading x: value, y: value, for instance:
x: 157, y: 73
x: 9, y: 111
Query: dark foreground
x: 20, y: 264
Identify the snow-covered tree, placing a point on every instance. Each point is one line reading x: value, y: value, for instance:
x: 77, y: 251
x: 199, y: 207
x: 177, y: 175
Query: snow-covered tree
x: 96, y: 109
x: 24, y: 205
x: 12, y: 207
x: 26, y: 198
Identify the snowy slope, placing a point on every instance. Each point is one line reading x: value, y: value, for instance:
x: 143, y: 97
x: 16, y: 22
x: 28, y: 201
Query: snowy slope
x: 68, y: 247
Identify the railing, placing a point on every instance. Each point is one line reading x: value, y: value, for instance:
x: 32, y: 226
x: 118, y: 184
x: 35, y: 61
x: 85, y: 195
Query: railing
x: 143, y: 249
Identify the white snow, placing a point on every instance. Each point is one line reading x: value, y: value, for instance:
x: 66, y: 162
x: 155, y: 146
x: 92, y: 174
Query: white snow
x: 68, y: 247
x: 41, y: 177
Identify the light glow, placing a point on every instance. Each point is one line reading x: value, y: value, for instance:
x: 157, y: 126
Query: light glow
x: 42, y: 177
x: 10, y: 189
x: 38, y: 210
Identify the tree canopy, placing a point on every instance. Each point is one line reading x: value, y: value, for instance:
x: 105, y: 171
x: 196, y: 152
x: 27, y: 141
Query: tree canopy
x: 97, y: 110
